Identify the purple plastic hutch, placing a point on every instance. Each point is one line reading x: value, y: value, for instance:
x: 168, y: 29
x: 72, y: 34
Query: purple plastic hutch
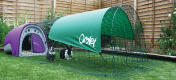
x: 26, y: 40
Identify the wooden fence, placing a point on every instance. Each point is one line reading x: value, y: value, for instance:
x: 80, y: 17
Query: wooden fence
x: 75, y: 6
x: 36, y: 10
x: 0, y: 8
x: 109, y: 3
x: 151, y: 12
x: 33, y: 10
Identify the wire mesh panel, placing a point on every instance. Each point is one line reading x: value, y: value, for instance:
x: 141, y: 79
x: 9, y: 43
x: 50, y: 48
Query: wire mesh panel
x: 122, y: 30
x: 106, y: 64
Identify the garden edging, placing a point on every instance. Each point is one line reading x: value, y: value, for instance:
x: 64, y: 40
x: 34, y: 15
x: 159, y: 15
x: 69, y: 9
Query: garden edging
x: 141, y: 54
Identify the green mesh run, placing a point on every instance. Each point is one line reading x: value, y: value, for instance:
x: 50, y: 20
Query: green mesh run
x: 116, y: 23
x: 94, y: 30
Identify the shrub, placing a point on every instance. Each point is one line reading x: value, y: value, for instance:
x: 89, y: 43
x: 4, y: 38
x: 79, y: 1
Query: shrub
x: 49, y: 20
x: 21, y: 19
x: 4, y: 25
x: 167, y: 40
x: 4, y: 29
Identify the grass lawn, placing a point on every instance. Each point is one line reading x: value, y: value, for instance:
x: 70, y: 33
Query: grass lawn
x: 80, y: 67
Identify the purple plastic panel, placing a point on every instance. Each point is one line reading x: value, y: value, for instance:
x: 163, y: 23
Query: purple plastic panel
x: 37, y: 44
x: 13, y: 38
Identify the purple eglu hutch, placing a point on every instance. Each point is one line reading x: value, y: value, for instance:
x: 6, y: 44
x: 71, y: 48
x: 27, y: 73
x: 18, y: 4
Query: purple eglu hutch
x: 26, y: 40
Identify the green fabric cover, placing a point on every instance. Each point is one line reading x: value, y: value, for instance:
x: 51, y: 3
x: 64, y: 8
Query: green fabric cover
x: 71, y: 30
x: 116, y: 23
x: 83, y: 30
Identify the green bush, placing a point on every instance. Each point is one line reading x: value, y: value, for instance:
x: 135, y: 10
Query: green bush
x: 21, y: 19
x: 4, y: 26
x: 171, y: 52
x: 4, y: 29
x: 167, y: 40
x: 49, y: 20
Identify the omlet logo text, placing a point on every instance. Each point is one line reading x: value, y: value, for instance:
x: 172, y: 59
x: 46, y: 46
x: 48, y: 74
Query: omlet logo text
x: 87, y: 40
